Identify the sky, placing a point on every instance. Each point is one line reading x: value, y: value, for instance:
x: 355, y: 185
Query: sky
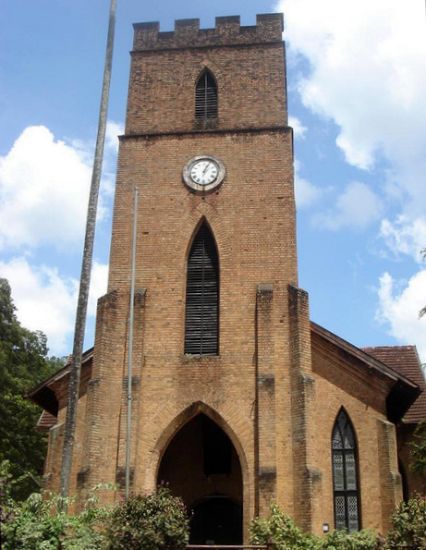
x: 357, y: 88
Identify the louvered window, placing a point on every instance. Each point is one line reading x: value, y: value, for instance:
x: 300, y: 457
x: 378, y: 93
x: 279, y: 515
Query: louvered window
x: 345, y: 475
x: 206, y: 98
x: 202, y: 295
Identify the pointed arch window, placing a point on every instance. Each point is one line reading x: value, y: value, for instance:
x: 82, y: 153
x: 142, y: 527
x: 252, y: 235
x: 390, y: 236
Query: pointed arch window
x: 206, y: 98
x: 202, y: 295
x: 345, y: 474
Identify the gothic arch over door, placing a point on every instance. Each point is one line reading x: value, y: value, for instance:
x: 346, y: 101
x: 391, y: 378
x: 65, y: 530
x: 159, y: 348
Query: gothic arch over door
x: 201, y: 465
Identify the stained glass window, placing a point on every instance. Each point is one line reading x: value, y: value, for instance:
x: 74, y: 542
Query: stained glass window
x: 345, y: 474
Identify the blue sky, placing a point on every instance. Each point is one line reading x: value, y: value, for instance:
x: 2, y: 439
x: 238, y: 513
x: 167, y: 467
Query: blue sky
x: 356, y: 85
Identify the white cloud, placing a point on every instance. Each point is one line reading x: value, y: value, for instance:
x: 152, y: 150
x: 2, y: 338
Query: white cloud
x: 113, y: 130
x: 306, y: 192
x: 357, y: 207
x: 399, y: 309
x: 299, y: 129
x: 98, y: 285
x: 367, y: 66
x: 404, y: 236
x: 47, y: 301
x: 44, y: 300
x: 44, y: 186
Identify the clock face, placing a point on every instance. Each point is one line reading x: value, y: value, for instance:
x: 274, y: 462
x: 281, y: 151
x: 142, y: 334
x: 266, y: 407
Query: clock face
x: 203, y: 173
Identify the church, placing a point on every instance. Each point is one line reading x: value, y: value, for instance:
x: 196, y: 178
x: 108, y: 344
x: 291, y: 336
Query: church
x: 237, y: 399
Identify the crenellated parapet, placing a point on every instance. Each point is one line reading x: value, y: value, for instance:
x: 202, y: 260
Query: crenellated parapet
x: 227, y: 31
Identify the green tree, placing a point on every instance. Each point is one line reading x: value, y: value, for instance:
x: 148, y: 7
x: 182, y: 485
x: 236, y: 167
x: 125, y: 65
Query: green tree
x: 418, y: 450
x: 23, y: 364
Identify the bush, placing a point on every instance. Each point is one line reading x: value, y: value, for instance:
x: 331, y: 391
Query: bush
x: 285, y: 535
x: 36, y: 523
x: 33, y: 526
x: 149, y: 522
x: 409, y: 525
x: 357, y: 540
x: 282, y: 532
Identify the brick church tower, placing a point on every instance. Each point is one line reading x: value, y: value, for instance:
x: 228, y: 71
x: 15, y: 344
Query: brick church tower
x: 237, y: 399
x: 208, y: 147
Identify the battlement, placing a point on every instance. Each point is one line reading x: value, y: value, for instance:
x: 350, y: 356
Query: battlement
x: 227, y: 32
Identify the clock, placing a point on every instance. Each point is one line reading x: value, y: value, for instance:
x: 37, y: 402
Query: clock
x: 203, y: 173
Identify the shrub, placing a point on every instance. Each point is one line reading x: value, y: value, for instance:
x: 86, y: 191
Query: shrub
x: 33, y: 526
x: 36, y: 523
x: 409, y: 525
x: 359, y: 540
x: 149, y: 522
x: 282, y: 532
x: 285, y: 535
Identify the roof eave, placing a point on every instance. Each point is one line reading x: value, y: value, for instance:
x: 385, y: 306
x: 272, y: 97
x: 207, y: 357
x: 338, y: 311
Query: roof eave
x: 44, y: 394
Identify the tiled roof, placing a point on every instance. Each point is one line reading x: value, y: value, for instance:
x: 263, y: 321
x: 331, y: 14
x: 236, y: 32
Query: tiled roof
x: 405, y: 360
x: 46, y: 421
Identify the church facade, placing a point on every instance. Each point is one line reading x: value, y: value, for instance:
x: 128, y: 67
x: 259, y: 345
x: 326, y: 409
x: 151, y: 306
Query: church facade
x: 238, y: 399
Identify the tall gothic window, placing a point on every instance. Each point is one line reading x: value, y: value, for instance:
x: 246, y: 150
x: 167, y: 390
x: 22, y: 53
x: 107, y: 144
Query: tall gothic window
x: 345, y: 475
x: 202, y: 295
x: 206, y: 98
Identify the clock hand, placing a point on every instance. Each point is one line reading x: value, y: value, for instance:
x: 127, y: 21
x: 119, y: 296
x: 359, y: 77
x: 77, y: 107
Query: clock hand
x: 205, y: 168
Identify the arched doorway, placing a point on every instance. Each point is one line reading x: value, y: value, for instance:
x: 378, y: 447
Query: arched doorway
x: 216, y: 520
x: 201, y: 465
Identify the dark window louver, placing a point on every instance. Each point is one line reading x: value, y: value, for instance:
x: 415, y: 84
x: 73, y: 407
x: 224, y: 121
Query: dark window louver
x: 202, y: 296
x: 206, y: 98
x: 345, y: 475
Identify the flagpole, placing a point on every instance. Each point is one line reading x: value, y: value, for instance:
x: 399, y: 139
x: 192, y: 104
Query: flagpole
x: 80, y: 322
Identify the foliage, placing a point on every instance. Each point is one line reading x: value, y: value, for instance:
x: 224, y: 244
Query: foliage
x: 38, y: 524
x: 23, y: 364
x: 409, y: 525
x: 282, y: 531
x: 149, y: 522
x: 285, y: 535
x: 358, y: 540
x: 153, y: 522
x: 418, y: 450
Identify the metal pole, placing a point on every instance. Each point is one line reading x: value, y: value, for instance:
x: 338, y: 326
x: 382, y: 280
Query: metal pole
x: 130, y: 344
x: 80, y: 322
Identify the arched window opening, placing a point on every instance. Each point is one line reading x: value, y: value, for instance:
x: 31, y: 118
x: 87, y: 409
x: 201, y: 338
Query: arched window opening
x: 202, y: 295
x: 345, y: 475
x: 206, y: 98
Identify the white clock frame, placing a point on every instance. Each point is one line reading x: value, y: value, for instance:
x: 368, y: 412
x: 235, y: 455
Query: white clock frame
x: 199, y: 187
